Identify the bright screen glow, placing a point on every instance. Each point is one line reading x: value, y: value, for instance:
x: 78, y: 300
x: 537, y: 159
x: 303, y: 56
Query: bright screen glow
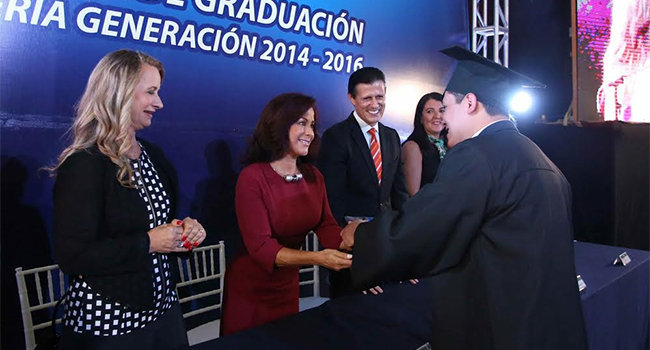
x: 613, y: 45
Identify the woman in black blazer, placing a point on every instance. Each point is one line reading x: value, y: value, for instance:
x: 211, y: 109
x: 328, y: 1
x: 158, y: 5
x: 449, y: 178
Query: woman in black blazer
x: 115, y: 232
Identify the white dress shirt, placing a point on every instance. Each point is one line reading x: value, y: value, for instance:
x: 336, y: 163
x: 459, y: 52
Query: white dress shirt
x: 365, y: 127
x: 483, y: 128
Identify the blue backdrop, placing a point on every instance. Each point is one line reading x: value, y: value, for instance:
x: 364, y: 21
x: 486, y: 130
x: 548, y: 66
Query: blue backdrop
x: 224, y: 60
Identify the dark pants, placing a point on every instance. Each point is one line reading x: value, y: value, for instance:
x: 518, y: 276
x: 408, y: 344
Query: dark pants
x: 166, y: 333
x: 340, y: 283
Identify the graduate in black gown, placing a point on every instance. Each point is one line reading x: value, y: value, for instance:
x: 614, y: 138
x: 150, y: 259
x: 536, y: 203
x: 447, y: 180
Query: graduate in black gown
x: 494, y: 228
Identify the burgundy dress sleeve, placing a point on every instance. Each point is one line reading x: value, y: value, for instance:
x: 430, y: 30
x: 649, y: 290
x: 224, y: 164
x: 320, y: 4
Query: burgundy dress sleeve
x: 253, y: 219
x: 328, y: 230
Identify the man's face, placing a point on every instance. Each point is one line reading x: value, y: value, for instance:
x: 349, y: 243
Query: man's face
x: 369, y: 101
x: 456, y: 118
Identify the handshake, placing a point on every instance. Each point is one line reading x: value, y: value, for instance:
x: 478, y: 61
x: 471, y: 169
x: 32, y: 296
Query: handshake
x: 347, y: 233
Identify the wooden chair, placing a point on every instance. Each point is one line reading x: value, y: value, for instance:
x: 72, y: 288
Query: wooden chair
x: 205, y: 267
x: 39, y: 289
x: 310, y: 275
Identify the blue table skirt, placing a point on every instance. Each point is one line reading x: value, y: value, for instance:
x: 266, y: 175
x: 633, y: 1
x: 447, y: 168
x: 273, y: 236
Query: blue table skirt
x: 615, y: 302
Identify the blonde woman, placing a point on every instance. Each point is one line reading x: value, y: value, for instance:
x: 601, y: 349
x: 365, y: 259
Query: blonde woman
x: 115, y: 230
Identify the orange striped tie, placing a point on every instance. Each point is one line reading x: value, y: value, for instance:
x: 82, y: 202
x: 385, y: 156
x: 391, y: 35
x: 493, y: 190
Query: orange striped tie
x: 375, y: 152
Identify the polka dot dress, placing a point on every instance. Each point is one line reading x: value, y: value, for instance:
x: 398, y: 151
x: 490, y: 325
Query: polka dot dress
x: 89, y: 312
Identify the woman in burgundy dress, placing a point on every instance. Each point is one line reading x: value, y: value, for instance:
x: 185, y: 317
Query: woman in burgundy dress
x: 280, y: 196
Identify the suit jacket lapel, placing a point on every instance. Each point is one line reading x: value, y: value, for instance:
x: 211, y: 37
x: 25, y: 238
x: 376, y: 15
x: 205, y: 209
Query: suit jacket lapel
x: 361, y: 144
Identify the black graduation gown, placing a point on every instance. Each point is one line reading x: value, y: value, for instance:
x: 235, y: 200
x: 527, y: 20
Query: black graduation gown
x: 495, y: 229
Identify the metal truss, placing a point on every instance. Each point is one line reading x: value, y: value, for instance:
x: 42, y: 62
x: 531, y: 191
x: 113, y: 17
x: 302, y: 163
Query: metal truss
x: 490, y: 29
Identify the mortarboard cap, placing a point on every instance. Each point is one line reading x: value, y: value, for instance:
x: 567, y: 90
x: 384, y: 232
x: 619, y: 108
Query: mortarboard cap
x: 491, y: 82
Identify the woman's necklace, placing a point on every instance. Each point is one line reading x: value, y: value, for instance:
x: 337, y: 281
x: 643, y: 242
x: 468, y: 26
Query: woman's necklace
x: 135, y: 151
x: 288, y: 177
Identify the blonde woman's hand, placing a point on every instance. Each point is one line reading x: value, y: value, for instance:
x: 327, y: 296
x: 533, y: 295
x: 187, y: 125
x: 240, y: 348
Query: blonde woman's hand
x: 166, y: 238
x: 193, y: 233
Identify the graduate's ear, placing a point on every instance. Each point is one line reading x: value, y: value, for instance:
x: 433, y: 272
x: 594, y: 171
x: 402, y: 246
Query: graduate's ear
x: 472, y: 102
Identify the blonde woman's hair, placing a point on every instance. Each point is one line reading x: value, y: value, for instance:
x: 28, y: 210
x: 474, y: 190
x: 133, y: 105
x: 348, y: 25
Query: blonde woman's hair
x: 103, y: 114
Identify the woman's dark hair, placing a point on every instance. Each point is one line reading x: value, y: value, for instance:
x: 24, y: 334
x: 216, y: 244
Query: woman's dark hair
x: 419, y: 135
x: 270, y: 139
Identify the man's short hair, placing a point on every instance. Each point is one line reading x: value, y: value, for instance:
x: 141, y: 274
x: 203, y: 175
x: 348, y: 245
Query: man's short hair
x: 366, y: 75
x: 490, y: 109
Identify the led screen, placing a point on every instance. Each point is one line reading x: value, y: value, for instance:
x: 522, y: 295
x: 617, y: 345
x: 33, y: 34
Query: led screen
x: 612, y: 56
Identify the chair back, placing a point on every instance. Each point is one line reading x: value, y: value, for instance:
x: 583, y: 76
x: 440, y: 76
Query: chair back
x: 204, y: 264
x: 38, y: 290
x: 310, y: 274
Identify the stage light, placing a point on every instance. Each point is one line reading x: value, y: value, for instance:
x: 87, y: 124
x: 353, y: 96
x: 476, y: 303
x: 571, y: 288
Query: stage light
x: 521, y: 102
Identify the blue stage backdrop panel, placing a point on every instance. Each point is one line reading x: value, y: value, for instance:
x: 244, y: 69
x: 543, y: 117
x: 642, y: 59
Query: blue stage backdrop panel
x: 224, y: 60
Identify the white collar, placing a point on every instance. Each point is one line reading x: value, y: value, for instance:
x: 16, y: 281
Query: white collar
x: 485, y: 127
x: 363, y: 125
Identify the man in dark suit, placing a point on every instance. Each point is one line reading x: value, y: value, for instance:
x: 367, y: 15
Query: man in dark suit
x: 360, y: 159
x: 494, y: 228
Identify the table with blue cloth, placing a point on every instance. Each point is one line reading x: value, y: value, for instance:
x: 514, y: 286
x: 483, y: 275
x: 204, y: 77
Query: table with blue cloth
x: 615, y: 305
x: 615, y: 302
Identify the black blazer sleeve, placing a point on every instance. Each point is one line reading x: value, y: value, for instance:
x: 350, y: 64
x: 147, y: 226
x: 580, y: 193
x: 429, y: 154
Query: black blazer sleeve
x: 442, y: 217
x: 80, y: 241
x: 398, y: 192
x: 332, y: 163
